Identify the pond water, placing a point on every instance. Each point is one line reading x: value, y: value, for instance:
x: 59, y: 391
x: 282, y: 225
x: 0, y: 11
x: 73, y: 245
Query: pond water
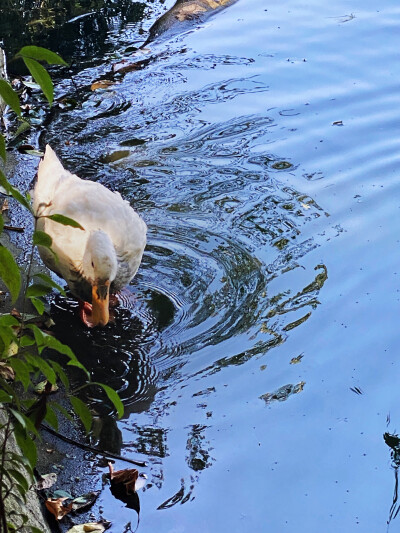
x: 257, y: 348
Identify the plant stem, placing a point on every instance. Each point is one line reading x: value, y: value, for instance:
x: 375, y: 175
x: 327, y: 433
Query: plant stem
x: 28, y: 279
x: 3, y: 517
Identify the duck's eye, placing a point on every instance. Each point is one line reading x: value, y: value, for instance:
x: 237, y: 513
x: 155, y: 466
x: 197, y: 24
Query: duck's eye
x: 92, y: 264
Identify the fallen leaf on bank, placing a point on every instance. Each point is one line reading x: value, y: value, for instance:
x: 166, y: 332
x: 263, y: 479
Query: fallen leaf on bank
x: 6, y: 372
x: 57, y: 507
x: 90, y: 526
x: 62, y: 494
x: 46, y: 481
x: 45, y: 387
x: 101, y: 84
x: 86, y: 500
x: 5, y: 205
x: 190, y: 11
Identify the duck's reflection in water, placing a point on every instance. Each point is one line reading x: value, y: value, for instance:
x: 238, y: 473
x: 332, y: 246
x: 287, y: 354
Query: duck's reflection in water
x: 116, y: 355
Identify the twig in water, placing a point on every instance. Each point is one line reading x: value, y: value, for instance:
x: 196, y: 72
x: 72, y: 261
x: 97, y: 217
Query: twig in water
x: 91, y: 449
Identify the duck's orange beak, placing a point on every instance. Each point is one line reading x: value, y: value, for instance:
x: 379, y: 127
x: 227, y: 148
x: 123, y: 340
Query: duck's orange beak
x: 100, y: 304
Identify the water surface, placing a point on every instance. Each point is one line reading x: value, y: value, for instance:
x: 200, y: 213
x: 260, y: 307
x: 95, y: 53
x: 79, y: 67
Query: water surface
x: 257, y: 350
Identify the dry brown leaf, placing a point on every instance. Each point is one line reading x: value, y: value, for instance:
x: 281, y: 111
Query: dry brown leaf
x: 46, y: 481
x: 101, y: 84
x: 89, y: 526
x: 126, y: 477
x: 5, y: 205
x: 56, y: 507
x: 187, y: 12
x: 6, y: 372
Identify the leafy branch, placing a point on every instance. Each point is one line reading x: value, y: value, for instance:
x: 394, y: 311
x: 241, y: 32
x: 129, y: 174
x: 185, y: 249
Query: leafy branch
x: 22, y: 343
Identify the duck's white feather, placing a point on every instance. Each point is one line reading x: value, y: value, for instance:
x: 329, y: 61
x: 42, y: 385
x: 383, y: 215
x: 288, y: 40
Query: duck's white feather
x: 95, y: 207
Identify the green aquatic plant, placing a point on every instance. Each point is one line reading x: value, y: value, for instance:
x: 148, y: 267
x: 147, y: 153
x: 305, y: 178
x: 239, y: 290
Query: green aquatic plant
x: 29, y: 354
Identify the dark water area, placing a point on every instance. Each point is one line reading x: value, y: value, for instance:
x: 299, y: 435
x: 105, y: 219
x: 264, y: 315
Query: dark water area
x: 256, y: 350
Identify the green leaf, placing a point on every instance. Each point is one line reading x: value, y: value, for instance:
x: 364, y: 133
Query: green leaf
x: 41, y: 54
x: 62, y: 410
x: 41, y: 238
x: 4, y: 397
x: 20, y: 478
x: 26, y: 341
x: 20, y: 198
x: 82, y: 411
x: 38, y: 362
x: 4, y: 183
x: 35, y: 529
x: 49, y: 281
x: 113, y: 397
x: 65, y: 221
x: 27, y: 445
x: 22, y: 128
x: 8, y: 320
x: 42, y: 77
x: 29, y: 426
x: 51, y: 417
x: 60, y: 373
x: 22, y: 371
x: 48, y: 341
x: 10, y: 96
x: 38, y: 304
x: 2, y: 148
x: 37, y: 289
x: 9, y: 272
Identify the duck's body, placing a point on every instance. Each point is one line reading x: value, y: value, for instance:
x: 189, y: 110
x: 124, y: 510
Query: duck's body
x: 104, y: 256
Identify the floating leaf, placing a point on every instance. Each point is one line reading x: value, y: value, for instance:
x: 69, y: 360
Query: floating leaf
x: 65, y: 221
x: 10, y: 96
x: 41, y: 54
x: 127, y: 478
x: 101, y: 84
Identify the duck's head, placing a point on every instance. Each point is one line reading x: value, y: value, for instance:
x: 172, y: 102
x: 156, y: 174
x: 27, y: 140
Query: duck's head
x: 99, y: 267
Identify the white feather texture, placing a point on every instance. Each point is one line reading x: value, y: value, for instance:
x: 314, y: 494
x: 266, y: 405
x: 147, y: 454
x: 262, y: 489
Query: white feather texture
x: 111, y: 246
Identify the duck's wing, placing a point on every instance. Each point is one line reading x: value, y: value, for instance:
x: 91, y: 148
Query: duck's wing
x: 95, y: 207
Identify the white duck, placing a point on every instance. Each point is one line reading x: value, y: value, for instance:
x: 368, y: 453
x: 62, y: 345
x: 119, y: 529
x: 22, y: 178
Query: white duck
x: 103, y: 257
